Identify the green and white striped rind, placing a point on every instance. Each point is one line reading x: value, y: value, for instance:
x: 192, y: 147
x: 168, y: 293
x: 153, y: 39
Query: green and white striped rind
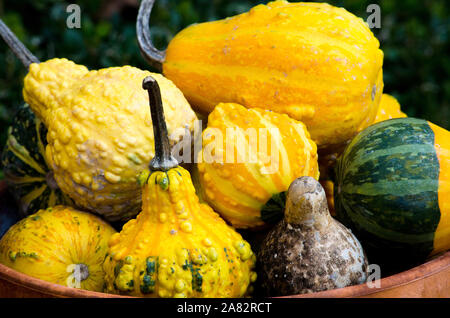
x: 24, y: 165
x: 387, y: 184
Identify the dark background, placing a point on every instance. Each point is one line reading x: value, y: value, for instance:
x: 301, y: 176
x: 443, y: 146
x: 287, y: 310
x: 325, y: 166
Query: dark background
x: 414, y: 37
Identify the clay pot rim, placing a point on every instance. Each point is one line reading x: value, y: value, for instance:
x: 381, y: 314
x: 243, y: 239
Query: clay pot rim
x: 437, y: 264
x: 429, y: 268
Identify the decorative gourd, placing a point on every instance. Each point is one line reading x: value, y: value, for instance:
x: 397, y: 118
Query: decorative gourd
x: 99, y: 131
x: 176, y: 247
x: 389, y: 109
x: 246, y: 184
x: 26, y: 172
x: 315, y: 62
x: 60, y: 245
x: 392, y: 188
x: 309, y: 251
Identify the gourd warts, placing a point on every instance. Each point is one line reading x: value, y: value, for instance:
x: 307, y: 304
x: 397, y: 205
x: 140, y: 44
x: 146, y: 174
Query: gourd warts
x: 99, y: 170
x: 169, y: 247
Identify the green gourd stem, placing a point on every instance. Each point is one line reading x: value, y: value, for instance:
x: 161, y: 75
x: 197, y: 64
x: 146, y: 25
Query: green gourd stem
x: 163, y: 159
x: 22, y: 53
x: 152, y: 55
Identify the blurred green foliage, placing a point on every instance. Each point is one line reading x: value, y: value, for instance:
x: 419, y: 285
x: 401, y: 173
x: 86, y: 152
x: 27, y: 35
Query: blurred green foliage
x: 414, y: 36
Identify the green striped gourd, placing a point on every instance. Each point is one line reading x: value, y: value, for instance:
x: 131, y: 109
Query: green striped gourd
x: 392, y: 188
x: 24, y: 165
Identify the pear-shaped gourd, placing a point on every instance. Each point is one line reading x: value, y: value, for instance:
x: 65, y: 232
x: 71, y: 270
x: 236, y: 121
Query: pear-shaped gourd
x: 176, y: 247
x: 99, y: 130
x: 309, y: 251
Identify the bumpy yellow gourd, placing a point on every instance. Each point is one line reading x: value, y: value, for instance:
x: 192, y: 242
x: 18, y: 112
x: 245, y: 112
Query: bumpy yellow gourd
x: 60, y: 245
x: 315, y: 62
x: 176, y: 247
x: 99, y: 130
x: 236, y: 180
x: 389, y: 109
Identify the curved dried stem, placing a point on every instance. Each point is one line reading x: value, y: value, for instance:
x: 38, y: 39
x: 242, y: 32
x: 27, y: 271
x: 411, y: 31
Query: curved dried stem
x: 152, y: 55
x: 22, y: 53
x: 163, y: 159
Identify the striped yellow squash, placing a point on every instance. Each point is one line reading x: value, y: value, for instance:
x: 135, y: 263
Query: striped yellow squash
x: 315, y: 62
x: 248, y: 160
x: 60, y: 245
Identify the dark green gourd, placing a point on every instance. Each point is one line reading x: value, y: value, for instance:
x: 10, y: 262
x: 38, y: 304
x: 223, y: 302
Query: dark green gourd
x: 29, y: 179
x: 391, y: 190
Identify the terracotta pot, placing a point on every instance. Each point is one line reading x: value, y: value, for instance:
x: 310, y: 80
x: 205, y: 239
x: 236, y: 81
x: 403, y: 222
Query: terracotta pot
x: 429, y: 280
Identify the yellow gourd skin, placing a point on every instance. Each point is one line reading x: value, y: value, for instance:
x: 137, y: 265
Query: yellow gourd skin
x: 317, y: 63
x: 100, y: 133
x: 389, y: 108
x: 177, y: 247
x: 239, y: 188
x: 51, y: 243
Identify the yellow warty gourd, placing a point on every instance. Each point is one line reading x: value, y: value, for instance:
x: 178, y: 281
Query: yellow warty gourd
x: 250, y: 156
x: 60, y: 245
x: 176, y: 247
x: 315, y: 62
x: 99, y: 130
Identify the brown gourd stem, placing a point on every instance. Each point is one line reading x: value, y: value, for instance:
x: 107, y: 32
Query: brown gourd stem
x: 152, y: 55
x: 163, y: 159
x: 22, y: 53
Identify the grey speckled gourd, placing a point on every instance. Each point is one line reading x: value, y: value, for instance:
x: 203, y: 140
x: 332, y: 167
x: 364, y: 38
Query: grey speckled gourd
x: 309, y: 251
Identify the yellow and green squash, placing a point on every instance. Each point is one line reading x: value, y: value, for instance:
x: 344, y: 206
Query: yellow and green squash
x: 26, y: 171
x: 392, y: 188
x: 249, y: 157
x: 176, y: 246
x: 60, y: 245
